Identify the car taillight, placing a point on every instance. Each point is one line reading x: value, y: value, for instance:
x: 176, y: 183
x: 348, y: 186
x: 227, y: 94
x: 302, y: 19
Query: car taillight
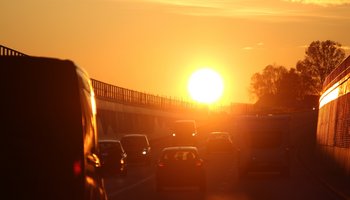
x: 199, y: 163
x: 77, y: 168
x: 161, y: 164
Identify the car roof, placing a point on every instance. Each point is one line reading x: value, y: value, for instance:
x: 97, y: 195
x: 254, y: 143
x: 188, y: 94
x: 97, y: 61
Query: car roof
x: 180, y: 148
x: 219, y: 132
x: 134, y: 135
x: 191, y: 121
x: 108, y: 140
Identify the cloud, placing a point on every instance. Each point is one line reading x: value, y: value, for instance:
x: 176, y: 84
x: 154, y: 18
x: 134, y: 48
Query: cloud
x: 271, y: 10
x: 267, y: 10
x: 247, y: 48
x: 305, y: 46
x: 322, y: 2
x: 346, y: 48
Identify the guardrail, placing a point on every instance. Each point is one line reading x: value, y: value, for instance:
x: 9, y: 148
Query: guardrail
x: 126, y: 96
x: 5, y: 51
x: 338, y: 73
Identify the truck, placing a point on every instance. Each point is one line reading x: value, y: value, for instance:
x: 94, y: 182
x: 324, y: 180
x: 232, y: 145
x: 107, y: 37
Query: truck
x: 262, y: 144
x: 49, y: 132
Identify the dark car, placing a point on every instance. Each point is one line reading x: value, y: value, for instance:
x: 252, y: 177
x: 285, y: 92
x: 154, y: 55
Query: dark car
x: 219, y: 142
x: 180, y: 167
x: 113, y: 157
x: 49, y: 125
x: 137, y: 148
x: 184, y: 132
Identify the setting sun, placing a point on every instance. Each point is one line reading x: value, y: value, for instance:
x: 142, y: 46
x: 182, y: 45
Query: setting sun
x: 205, y: 86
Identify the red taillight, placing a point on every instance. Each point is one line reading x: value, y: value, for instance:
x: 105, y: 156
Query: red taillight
x: 77, y: 168
x: 161, y: 164
x: 199, y: 163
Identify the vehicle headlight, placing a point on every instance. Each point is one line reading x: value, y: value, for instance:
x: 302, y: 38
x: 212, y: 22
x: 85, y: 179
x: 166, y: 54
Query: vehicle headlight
x: 122, y: 161
x: 193, y: 134
x: 144, y: 152
x: 173, y: 134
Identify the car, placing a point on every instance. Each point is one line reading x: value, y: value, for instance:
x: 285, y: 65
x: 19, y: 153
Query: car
x: 137, y: 148
x: 113, y: 157
x: 219, y: 142
x: 184, y: 132
x: 180, y: 166
x: 49, y: 125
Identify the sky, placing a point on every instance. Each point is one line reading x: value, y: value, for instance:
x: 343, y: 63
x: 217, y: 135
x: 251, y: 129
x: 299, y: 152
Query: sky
x: 154, y: 46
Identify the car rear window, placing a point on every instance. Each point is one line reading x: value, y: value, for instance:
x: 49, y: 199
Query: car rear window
x: 110, y: 146
x: 181, y: 155
x: 134, y: 141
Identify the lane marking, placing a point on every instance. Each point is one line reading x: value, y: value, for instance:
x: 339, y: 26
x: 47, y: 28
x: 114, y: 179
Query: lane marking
x: 115, y: 193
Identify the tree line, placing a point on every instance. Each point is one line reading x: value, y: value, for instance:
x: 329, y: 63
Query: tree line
x: 277, y: 86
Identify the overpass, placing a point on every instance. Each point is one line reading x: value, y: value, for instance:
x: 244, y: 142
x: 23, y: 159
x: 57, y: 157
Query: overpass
x: 121, y: 110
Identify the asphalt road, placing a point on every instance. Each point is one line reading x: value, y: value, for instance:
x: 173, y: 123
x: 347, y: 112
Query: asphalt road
x: 222, y: 183
x: 222, y: 176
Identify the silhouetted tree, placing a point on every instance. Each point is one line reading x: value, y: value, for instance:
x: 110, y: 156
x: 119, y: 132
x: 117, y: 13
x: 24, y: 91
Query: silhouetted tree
x: 267, y: 82
x: 320, y: 59
x: 289, y: 88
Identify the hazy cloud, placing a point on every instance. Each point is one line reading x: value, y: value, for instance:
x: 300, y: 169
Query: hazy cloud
x: 247, y: 48
x: 273, y: 10
x: 258, y: 45
x: 346, y: 48
x: 321, y: 2
x: 304, y: 46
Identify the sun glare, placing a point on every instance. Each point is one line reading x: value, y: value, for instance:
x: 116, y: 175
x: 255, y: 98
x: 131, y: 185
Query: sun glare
x: 205, y: 86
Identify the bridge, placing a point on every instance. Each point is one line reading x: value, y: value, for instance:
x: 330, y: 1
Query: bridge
x: 121, y: 110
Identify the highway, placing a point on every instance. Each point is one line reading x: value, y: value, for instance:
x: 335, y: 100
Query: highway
x: 222, y: 183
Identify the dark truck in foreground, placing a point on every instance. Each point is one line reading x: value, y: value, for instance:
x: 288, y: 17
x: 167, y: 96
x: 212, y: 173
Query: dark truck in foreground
x: 48, y: 127
x: 262, y: 144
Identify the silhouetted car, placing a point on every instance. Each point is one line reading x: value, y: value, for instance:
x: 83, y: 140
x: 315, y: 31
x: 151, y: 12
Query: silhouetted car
x: 50, y: 148
x: 184, y: 132
x: 219, y: 142
x: 113, y: 158
x: 137, y: 148
x: 180, y: 167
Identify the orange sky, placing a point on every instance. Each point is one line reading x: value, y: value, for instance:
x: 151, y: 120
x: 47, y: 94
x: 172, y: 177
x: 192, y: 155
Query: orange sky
x: 154, y: 45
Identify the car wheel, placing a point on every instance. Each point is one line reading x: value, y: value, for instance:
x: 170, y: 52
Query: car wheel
x: 159, y: 187
x: 202, y: 187
x: 124, y: 173
x: 242, y: 174
x: 285, y: 173
x: 148, y: 161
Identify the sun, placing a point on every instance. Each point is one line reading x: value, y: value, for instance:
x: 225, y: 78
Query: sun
x: 205, y: 86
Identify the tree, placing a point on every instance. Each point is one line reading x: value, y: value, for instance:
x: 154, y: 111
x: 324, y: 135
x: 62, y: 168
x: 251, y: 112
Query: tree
x: 267, y: 83
x: 289, y: 88
x: 320, y: 59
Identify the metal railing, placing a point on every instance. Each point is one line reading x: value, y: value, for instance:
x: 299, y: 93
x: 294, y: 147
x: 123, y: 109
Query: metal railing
x: 126, y: 96
x: 338, y: 73
x: 5, y: 51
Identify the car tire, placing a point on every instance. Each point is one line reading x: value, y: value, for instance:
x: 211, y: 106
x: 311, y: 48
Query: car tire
x: 285, y: 173
x: 202, y: 187
x: 124, y: 173
x: 159, y: 187
x: 242, y: 174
